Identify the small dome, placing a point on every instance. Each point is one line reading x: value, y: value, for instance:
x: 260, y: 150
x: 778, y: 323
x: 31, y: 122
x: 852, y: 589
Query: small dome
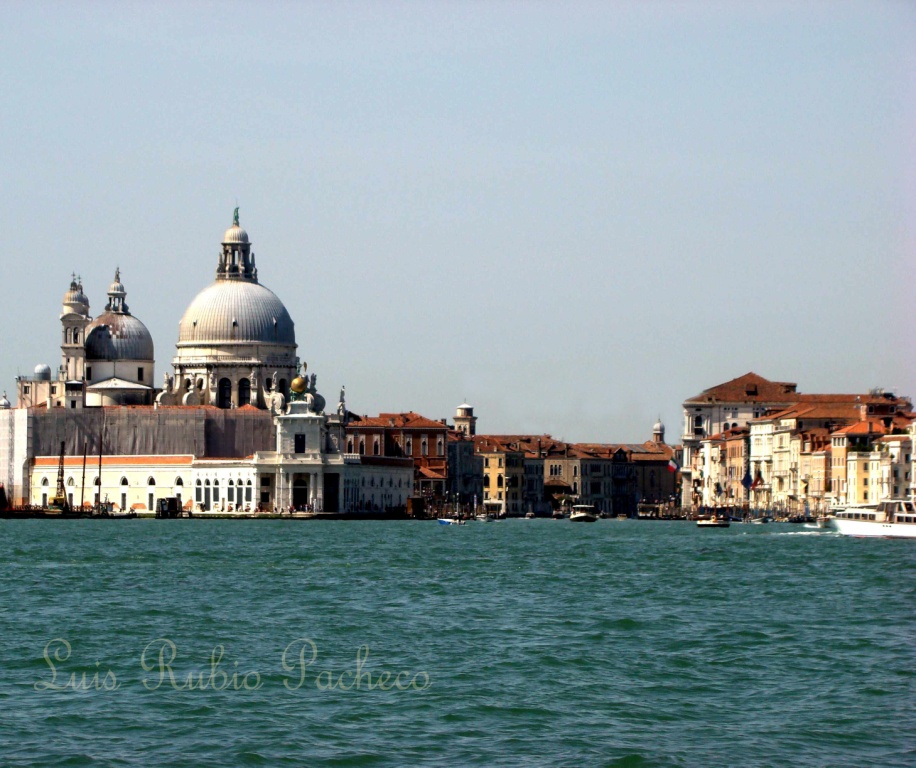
x: 43, y: 372
x: 235, y: 235
x: 75, y: 298
x: 116, y: 336
x: 4, y: 402
x: 658, y: 427
x: 298, y: 385
x: 117, y: 287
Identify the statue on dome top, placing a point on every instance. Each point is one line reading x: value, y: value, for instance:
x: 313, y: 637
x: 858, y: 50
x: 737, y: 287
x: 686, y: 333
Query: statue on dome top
x: 235, y: 217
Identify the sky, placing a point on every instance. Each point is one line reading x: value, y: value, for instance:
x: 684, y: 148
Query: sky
x: 571, y: 215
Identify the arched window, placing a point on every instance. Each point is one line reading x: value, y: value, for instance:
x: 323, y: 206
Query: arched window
x: 198, y: 492
x: 216, y: 490
x: 349, y: 445
x: 244, y: 392
x: 248, y: 491
x: 179, y: 481
x: 151, y: 481
x: 70, y: 482
x: 230, y: 493
x: 375, y: 446
x: 499, y: 481
x: 408, y: 446
x: 424, y: 447
x: 440, y: 449
x: 224, y: 394
x: 124, y: 481
x: 362, y: 445
x: 44, y: 481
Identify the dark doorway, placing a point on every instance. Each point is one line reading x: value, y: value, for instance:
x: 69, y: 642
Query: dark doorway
x: 331, y: 492
x: 300, y: 491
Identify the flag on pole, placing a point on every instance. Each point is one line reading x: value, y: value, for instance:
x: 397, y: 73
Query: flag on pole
x: 746, y: 480
x: 672, y: 465
x: 757, y: 481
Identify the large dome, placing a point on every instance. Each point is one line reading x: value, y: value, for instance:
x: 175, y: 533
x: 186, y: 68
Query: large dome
x: 236, y: 311
x: 117, y: 336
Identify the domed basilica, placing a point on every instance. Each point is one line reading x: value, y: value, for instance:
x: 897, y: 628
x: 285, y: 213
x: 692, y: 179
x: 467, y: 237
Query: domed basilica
x: 236, y: 345
x: 236, y: 341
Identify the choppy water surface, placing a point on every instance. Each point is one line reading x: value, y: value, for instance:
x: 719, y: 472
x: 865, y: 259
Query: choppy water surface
x: 513, y: 643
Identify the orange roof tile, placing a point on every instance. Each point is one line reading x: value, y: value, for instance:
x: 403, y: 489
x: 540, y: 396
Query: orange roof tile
x: 77, y: 461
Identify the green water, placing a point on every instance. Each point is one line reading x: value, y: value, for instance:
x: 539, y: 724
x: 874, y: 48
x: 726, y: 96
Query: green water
x: 512, y: 643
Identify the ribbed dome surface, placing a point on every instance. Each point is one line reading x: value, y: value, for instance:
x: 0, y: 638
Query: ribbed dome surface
x: 235, y: 234
x: 76, y: 296
x: 117, y: 336
x: 236, y: 310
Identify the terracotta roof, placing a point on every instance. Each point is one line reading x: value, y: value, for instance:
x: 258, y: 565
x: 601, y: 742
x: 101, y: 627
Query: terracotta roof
x: 409, y: 420
x: 750, y: 388
x: 430, y: 474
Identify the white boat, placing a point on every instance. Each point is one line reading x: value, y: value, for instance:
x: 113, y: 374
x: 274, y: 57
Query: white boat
x: 583, y: 513
x: 895, y: 518
x: 713, y: 522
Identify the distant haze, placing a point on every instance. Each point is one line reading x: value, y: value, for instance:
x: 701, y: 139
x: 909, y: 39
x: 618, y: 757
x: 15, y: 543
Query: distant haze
x: 571, y: 215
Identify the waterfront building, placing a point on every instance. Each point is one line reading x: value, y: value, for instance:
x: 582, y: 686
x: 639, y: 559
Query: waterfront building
x: 737, y: 476
x: 777, y: 416
x: 307, y: 468
x: 503, y: 467
x: 405, y: 435
x: 613, y: 478
x: 464, y: 479
x: 719, y: 468
x: 726, y: 406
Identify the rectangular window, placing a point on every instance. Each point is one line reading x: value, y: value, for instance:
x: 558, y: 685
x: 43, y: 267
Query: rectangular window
x: 299, y: 443
x: 198, y: 494
x: 139, y: 374
x: 230, y: 494
x: 89, y: 372
x: 248, y: 492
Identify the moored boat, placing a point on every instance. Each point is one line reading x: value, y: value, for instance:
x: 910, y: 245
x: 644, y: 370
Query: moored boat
x: 894, y: 518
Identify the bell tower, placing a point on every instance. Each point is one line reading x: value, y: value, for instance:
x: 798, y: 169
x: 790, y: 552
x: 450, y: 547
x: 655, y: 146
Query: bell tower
x: 73, y: 319
x: 465, y: 420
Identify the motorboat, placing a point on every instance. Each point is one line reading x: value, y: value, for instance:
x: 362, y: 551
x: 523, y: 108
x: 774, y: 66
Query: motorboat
x: 714, y: 521
x: 894, y: 518
x: 583, y: 513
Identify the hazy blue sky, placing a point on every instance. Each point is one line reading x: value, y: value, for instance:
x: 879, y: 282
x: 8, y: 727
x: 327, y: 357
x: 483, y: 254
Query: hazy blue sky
x: 573, y: 215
